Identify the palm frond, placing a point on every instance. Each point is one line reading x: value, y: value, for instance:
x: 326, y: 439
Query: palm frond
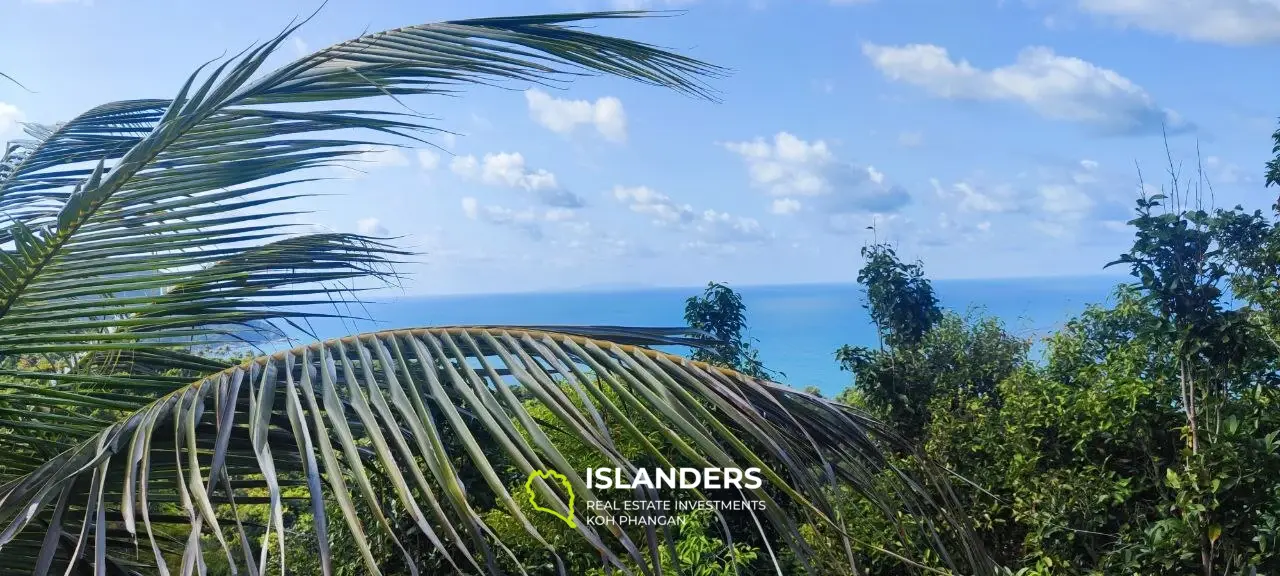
x: 422, y: 406
x: 15, y: 81
x: 129, y: 197
x: 144, y: 226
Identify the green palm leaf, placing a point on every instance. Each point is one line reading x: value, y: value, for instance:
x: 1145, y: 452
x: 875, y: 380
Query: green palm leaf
x: 419, y: 406
x: 144, y: 226
x: 11, y: 79
x: 115, y: 201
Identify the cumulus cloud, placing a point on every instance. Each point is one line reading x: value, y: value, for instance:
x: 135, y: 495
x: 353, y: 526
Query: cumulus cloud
x: 980, y: 197
x: 790, y: 167
x: 508, y: 170
x: 10, y: 122
x: 1233, y: 22
x: 300, y: 47
x: 785, y: 206
x: 373, y: 156
x: 465, y: 166
x: 529, y: 221
x: 560, y: 115
x: 707, y: 225
x: 1221, y: 172
x: 371, y: 227
x: 645, y: 200
x: 1056, y: 87
x: 1064, y: 200
x: 428, y: 159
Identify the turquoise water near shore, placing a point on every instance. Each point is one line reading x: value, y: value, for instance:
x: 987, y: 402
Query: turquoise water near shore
x: 796, y: 327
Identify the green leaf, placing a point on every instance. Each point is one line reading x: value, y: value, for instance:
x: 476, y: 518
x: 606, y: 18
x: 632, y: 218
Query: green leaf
x: 142, y: 227
x: 188, y: 444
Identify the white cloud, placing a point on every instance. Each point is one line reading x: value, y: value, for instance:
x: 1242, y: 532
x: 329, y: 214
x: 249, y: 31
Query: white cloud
x: 726, y: 228
x: 465, y: 166
x: 1116, y: 225
x: 449, y: 141
x: 785, y: 206
x: 558, y: 214
x: 645, y: 200
x: 979, y: 197
x: 529, y: 220
x: 1056, y: 87
x: 605, y: 114
x: 372, y: 156
x: 709, y: 226
x: 470, y: 207
x: 1051, y: 228
x: 371, y: 227
x: 973, y: 197
x: 1065, y: 201
x: 428, y: 159
x: 1235, y: 22
x: 1063, y: 207
x: 1224, y: 172
x: 910, y: 139
x: 300, y: 47
x: 507, y: 169
x: 10, y: 122
x: 876, y: 176
x: 791, y: 167
x: 1087, y: 173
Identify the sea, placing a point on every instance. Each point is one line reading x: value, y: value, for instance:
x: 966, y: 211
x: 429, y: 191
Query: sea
x: 796, y: 328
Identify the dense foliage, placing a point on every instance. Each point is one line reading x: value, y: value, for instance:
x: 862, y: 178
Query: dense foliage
x: 1145, y: 442
x: 720, y: 313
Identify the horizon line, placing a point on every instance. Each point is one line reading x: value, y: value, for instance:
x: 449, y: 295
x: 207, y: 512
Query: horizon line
x: 622, y: 287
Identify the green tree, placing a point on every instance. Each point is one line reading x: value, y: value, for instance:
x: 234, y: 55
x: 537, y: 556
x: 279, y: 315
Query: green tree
x: 898, y: 379
x: 1144, y: 443
x: 720, y: 313
x: 900, y: 299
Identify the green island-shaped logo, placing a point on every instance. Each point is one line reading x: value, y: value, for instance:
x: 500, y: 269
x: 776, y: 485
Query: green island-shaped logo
x: 533, y: 496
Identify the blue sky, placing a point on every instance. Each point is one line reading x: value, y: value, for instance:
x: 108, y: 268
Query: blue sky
x: 987, y: 138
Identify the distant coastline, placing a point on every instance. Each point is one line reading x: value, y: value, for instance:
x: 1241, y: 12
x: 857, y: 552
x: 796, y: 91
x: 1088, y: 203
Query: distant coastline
x: 797, y: 327
x: 611, y: 287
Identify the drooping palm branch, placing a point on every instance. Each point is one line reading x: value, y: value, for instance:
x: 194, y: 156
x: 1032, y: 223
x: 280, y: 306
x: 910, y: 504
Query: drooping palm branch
x: 141, y: 226
x: 109, y: 212
x: 13, y: 80
x: 332, y: 410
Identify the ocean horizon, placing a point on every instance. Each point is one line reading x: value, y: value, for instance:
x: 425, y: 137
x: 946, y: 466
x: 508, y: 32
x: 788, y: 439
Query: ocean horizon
x: 797, y: 328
